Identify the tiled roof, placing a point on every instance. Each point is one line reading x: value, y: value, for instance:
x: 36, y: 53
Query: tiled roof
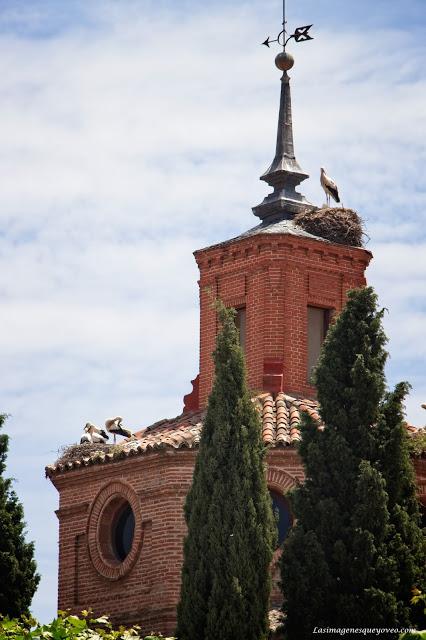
x: 281, y: 418
x: 280, y: 428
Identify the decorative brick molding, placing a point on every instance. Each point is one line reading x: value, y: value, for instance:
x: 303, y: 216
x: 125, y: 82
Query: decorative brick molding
x: 72, y: 510
x: 102, y: 512
x: 280, y: 480
x: 191, y: 402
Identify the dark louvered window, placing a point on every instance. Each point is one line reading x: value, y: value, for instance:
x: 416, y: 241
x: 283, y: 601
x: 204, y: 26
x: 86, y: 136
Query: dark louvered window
x: 240, y: 321
x: 318, y: 321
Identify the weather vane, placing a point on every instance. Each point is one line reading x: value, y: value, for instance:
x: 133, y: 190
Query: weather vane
x: 301, y: 34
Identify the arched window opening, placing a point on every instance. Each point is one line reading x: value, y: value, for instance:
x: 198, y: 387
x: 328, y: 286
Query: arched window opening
x: 122, y: 532
x: 282, y: 513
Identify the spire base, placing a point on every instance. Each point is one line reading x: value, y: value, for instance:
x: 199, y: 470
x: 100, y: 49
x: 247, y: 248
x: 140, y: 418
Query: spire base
x: 281, y: 206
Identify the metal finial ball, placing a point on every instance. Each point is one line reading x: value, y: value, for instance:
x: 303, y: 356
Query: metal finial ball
x: 284, y: 61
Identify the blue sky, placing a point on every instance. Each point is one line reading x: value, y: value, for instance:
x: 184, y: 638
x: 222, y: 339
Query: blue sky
x: 133, y: 133
x: 50, y: 18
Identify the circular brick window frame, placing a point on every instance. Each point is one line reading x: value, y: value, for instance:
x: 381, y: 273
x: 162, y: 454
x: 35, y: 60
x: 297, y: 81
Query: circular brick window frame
x: 108, y: 503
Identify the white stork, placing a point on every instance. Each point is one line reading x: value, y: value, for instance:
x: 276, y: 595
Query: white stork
x: 86, y: 438
x: 115, y: 427
x: 329, y: 186
x: 94, y: 435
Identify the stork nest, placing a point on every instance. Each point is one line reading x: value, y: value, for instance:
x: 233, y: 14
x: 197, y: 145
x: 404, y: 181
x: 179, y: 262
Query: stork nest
x: 337, y: 224
x: 87, y: 450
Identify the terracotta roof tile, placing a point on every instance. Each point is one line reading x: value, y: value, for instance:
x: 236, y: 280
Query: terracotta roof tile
x: 280, y: 418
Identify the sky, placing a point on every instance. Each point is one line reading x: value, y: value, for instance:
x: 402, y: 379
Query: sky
x: 133, y: 132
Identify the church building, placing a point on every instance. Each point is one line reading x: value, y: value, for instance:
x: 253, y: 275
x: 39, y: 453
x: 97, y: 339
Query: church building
x: 121, y: 519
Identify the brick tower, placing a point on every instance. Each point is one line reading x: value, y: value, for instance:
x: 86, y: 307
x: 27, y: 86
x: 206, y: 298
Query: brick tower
x: 285, y: 283
x: 121, y: 523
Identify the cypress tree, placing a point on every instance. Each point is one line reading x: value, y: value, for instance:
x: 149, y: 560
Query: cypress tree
x: 407, y: 540
x: 18, y: 577
x: 340, y: 565
x: 231, y: 530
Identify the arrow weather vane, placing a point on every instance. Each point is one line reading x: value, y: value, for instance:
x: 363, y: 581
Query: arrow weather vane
x: 301, y: 34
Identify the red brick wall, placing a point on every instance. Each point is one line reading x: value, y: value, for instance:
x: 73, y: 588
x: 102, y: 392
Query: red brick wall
x: 276, y: 278
x: 149, y: 592
x: 420, y: 469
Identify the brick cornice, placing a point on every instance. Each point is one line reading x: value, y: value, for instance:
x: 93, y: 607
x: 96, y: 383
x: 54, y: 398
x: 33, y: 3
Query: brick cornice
x: 212, y: 258
x: 118, y: 467
x: 71, y: 510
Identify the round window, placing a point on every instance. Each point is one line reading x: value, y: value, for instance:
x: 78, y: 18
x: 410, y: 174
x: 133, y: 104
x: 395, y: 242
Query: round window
x: 114, y: 530
x: 122, y: 533
x: 282, y: 513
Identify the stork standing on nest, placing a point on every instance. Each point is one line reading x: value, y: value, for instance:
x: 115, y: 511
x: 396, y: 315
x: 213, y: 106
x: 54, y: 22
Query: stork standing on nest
x: 93, y: 435
x: 115, y: 427
x: 329, y: 186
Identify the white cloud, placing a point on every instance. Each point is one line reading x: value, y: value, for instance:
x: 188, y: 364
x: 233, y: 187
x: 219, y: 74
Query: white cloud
x: 125, y: 147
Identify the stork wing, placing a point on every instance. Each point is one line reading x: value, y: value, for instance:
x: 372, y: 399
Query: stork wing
x: 330, y: 183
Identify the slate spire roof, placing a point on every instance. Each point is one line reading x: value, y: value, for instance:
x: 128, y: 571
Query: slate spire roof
x: 285, y: 173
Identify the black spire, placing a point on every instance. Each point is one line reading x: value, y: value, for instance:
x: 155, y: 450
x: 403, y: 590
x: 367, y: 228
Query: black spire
x: 285, y: 173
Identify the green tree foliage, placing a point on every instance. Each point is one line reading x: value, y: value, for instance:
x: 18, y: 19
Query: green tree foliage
x: 231, y: 530
x: 356, y: 512
x: 69, y: 627
x: 407, y: 542
x: 417, y: 443
x: 18, y: 577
